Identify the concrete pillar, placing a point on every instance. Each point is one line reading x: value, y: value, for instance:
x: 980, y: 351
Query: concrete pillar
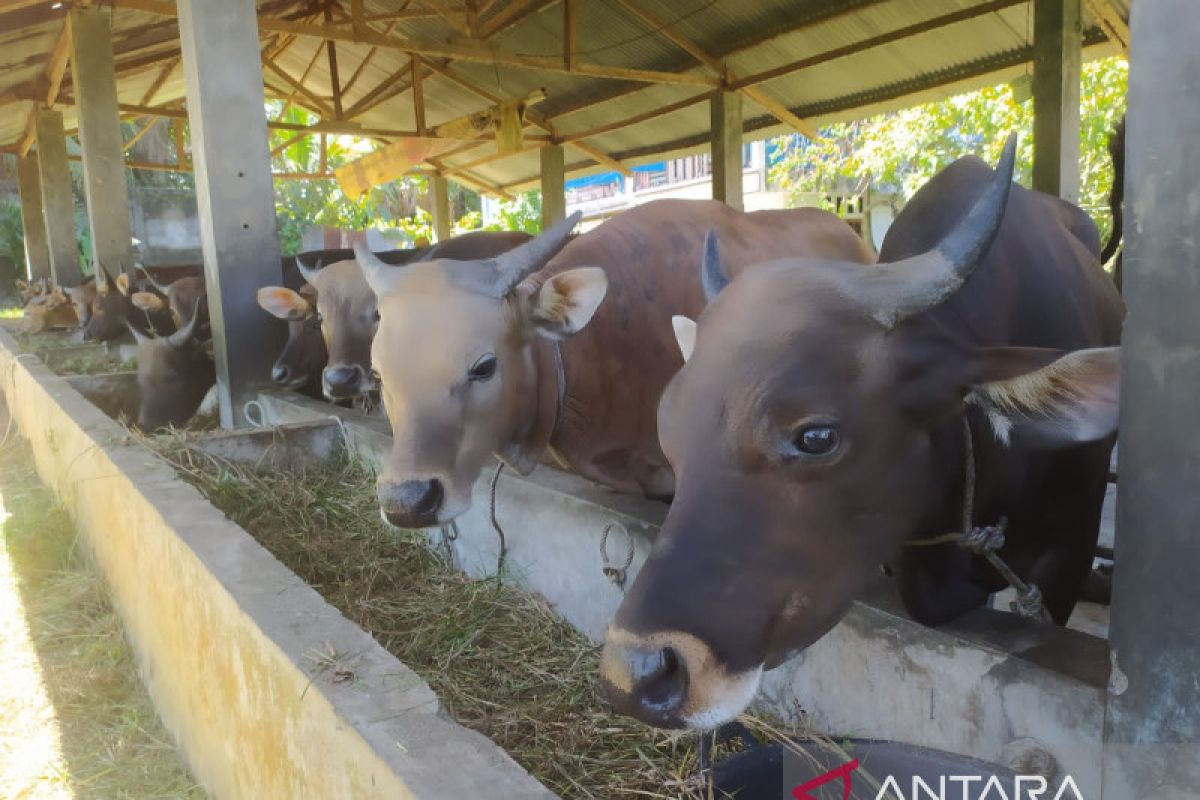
x: 1057, y: 61
x: 726, y: 108
x: 554, y: 192
x: 58, y: 201
x: 1152, y: 735
x: 440, y: 191
x: 37, y: 254
x: 234, y: 192
x: 93, y: 79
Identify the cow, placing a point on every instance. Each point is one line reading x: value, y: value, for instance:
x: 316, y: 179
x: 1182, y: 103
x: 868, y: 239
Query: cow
x: 827, y: 414
x: 83, y: 297
x: 174, y: 373
x: 32, y: 289
x: 518, y: 357
x: 345, y: 307
x: 48, y: 311
x: 304, y: 355
x: 113, y: 305
x: 178, y: 299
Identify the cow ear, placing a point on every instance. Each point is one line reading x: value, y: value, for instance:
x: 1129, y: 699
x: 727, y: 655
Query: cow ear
x: 284, y: 303
x: 567, y: 301
x: 123, y: 283
x: 685, y: 334
x: 148, y: 301
x: 1030, y: 394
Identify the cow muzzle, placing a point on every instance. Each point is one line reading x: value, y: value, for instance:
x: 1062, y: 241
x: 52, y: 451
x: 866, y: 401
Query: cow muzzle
x: 282, y: 374
x: 672, y: 680
x: 345, y: 381
x: 411, y: 504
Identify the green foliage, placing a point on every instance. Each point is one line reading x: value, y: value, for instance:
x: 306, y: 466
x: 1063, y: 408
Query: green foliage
x: 12, y: 244
x: 522, y: 214
x: 303, y: 204
x: 900, y: 151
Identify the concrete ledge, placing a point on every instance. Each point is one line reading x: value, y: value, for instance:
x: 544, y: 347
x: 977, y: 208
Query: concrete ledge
x: 225, y: 635
x: 971, y: 688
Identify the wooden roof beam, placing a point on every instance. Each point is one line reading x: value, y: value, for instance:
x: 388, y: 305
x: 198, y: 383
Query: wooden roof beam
x: 778, y: 109
x: 56, y: 67
x: 462, y: 51
x: 594, y: 153
x: 298, y: 87
x: 151, y: 122
x: 456, y: 17
x: 1114, y: 27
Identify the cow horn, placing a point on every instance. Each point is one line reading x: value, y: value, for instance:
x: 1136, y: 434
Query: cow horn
x: 517, y: 264
x: 158, y: 287
x: 311, y: 272
x: 138, y: 335
x: 104, y: 281
x: 713, y: 276
x: 184, y: 335
x: 905, y: 288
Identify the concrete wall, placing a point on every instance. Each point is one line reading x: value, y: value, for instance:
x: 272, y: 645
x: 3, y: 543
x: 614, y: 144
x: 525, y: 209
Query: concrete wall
x: 224, y: 634
x: 973, y: 688
x: 164, y: 220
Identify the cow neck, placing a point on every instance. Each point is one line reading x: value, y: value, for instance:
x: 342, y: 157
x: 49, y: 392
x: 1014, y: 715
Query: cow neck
x: 551, y: 391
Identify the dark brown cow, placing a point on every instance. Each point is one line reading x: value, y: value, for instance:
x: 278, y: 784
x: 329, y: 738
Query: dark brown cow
x: 818, y: 425
x: 112, y: 306
x: 345, y: 307
x: 174, y: 373
x: 83, y: 297
x: 471, y: 363
x: 179, y: 299
x: 304, y: 355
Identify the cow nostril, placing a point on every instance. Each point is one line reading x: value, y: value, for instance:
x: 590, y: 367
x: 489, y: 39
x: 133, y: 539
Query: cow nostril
x: 280, y: 373
x: 412, y: 504
x: 660, y: 680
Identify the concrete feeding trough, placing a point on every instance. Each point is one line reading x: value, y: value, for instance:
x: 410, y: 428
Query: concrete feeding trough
x: 221, y: 629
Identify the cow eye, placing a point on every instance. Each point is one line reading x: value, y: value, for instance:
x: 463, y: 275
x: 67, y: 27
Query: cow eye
x: 483, y: 369
x: 816, y: 439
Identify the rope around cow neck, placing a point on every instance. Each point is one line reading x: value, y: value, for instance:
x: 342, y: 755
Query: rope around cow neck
x: 987, y: 540
x: 560, y: 379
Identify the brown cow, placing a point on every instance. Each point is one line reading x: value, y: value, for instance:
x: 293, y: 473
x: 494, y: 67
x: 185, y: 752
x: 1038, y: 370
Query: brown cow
x: 345, y: 306
x: 829, y: 413
x: 472, y: 365
x: 304, y: 355
x: 47, y: 311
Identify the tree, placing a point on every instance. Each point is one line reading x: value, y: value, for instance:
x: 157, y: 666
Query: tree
x: 899, y: 151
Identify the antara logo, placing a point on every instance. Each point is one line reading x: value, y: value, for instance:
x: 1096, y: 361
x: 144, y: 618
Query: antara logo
x: 948, y: 787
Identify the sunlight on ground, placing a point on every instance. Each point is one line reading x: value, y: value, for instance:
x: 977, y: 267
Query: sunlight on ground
x: 31, y: 760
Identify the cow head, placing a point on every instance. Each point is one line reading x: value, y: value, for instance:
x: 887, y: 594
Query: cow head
x: 173, y: 374
x: 52, y: 309
x: 110, y: 308
x: 455, y: 357
x: 83, y: 297
x: 304, y: 356
x: 32, y: 289
x: 799, y: 430
x: 347, y: 315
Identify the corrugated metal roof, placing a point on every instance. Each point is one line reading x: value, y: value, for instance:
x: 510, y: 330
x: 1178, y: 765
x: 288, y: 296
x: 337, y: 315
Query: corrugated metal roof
x: 954, y: 45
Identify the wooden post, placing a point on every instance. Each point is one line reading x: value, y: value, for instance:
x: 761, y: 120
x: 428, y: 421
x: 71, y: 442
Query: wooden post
x: 726, y: 108
x: 94, y: 81
x: 440, y: 192
x: 58, y: 201
x: 1057, y: 61
x: 554, y: 193
x: 37, y: 254
x: 1152, y: 730
x: 234, y: 192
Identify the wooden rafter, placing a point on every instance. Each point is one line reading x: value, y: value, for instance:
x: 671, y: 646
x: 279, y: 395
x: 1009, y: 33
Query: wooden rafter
x: 462, y: 51
x: 56, y: 67
x: 1111, y: 22
x: 148, y: 126
x: 535, y: 118
x: 298, y: 88
x: 570, y: 20
x: 163, y: 75
x: 758, y: 95
x: 418, y: 95
x: 312, y: 62
x: 456, y: 17
x: 362, y: 65
x: 334, y: 84
x: 511, y: 14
